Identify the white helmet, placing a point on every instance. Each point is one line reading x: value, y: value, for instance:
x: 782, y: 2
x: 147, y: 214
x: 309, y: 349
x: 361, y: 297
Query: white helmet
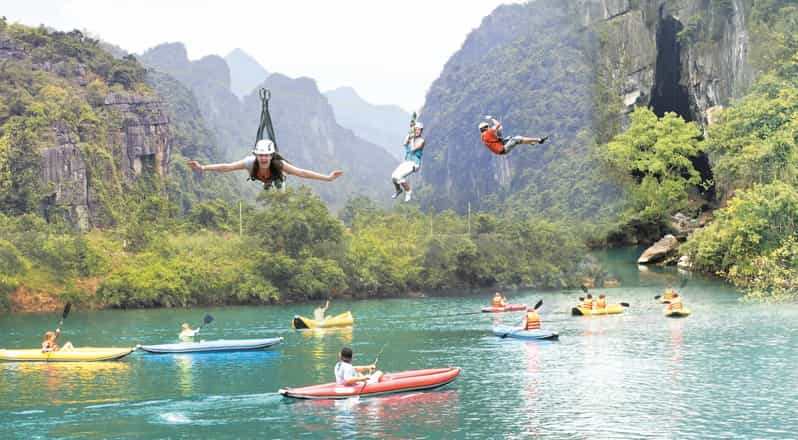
x: 264, y: 146
x: 419, y: 125
x: 483, y: 126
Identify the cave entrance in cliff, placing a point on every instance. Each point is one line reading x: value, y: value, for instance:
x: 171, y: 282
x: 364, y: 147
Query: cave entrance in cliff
x: 668, y: 95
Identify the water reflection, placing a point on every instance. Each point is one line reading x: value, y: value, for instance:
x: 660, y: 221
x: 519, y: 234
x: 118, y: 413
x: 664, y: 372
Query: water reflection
x: 388, y: 417
x: 184, y: 362
x: 66, y: 382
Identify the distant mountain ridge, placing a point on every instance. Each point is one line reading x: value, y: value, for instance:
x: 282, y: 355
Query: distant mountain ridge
x: 384, y: 125
x: 245, y: 72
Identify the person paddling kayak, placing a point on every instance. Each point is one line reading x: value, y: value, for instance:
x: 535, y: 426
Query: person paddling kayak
x: 187, y: 333
x: 601, y: 304
x: 347, y: 374
x: 669, y: 293
x: 498, y: 300
x: 49, y: 343
x: 588, y: 302
x: 318, y: 312
x: 676, y: 302
x: 493, y: 140
x: 531, y: 320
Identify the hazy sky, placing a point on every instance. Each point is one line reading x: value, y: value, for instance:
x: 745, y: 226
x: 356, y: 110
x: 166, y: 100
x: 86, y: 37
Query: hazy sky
x: 389, y: 51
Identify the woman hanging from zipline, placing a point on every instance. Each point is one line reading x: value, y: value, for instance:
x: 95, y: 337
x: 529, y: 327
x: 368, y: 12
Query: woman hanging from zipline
x: 266, y: 164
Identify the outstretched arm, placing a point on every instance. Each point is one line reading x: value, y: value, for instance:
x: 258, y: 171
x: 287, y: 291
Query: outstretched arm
x: 307, y: 174
x: 223, y: 167
x: 496, y: 124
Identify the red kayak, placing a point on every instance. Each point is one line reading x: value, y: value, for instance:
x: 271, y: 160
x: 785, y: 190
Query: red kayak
x: 507, y: 308
x: 390, y: 383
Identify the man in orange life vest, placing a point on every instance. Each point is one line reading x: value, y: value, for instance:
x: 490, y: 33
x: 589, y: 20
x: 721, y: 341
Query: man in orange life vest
x: 499, y: 300
x: 676, y: 303
x: 602, y: 302
x: 493, y: 140
x: 588, y: 303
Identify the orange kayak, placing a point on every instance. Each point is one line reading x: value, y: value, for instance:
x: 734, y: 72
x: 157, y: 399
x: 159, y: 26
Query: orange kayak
x: 390, y: 383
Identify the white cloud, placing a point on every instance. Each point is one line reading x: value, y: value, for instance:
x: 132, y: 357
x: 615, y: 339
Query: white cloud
x: 390, y: 52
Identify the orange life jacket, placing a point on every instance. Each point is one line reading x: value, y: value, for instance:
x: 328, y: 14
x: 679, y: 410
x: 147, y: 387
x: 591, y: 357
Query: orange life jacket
x: 676, y: 304
x: 492, y: 141
x: 498, y: 301
x: 588, y: 304
x: 601, y: 303
x: 532, y: 320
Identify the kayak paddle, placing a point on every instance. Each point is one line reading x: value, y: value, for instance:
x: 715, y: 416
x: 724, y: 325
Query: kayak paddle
x: 205, y: 321
x: 537, y: 306
x: 65, y: 313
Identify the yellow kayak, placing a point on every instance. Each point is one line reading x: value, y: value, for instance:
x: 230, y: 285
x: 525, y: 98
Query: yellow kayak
x: 83, y: 354
x: 342, y: 320
x: 678, y: 313
x: 612, y: 309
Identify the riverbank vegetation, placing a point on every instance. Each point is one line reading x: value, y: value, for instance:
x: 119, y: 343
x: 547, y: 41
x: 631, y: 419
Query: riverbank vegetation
x: 291, y: 249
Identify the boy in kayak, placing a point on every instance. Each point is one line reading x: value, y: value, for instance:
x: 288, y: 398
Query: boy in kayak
x: 49, y: 343
x: 499, y: 300
x: 493, y: 140
x: 187, y: 333
x: 318, y: 312
x: 347, y: 374
x: 588, y: 302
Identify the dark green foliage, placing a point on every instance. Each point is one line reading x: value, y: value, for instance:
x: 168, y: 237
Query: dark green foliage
x: 655, y: 154
x: 752, y: 241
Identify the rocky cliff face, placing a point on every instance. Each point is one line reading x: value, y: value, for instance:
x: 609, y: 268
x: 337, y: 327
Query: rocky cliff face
x: 209, y: 80
x: 127, y: 129
x: 681, y: 56
x: 138, y: 142
x: 570, y: 66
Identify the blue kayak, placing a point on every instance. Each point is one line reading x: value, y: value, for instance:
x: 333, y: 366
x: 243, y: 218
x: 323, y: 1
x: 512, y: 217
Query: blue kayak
x: 213, y: 346
x: 506, y: 331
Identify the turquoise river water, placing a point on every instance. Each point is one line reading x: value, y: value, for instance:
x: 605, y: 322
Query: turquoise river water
x: 727, y: 371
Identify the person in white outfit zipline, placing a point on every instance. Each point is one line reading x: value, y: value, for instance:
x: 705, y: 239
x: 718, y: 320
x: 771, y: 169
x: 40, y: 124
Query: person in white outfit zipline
x: 414, y: 149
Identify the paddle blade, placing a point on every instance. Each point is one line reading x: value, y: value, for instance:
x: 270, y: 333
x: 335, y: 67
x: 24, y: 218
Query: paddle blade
x: 584, y: 288
x: 581, y: 298
x: 658, y: 297
x: 624, y: 304
x: 208, y: 319
x: 67, y: 308
x: 537, y: 306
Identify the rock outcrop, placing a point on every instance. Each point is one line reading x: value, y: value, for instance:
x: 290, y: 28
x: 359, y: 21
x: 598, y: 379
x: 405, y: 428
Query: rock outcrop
x: 683, y: 56
x: 660, y: 251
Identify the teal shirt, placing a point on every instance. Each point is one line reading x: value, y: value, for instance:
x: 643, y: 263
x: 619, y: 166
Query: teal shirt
x: 415, y: 156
